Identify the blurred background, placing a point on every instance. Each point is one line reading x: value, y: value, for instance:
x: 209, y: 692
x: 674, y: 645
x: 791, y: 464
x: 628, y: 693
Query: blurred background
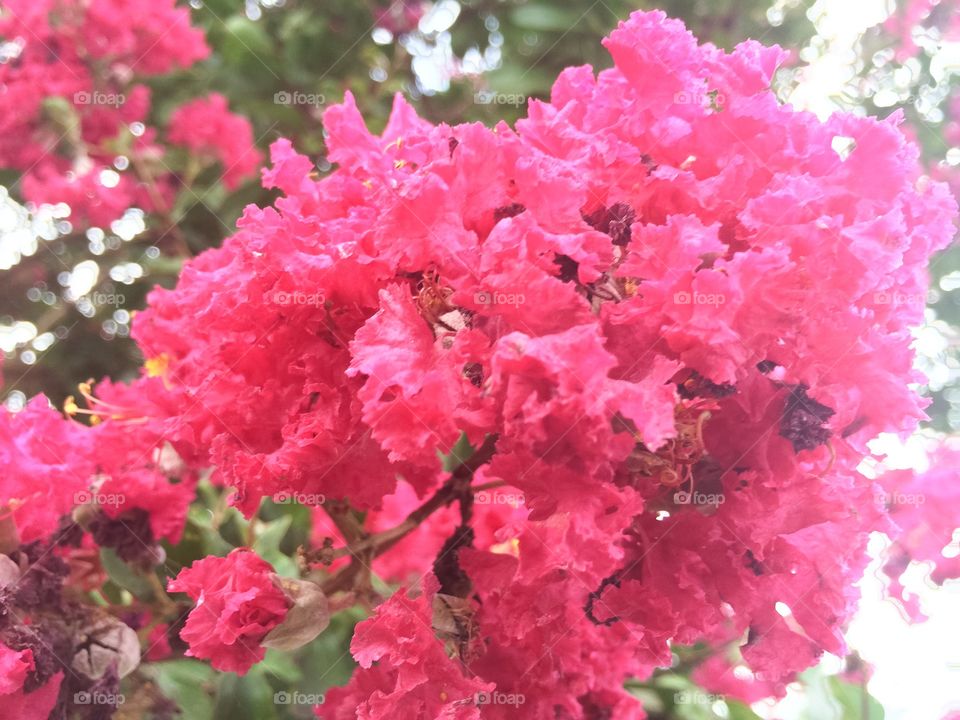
x: 70, y: 284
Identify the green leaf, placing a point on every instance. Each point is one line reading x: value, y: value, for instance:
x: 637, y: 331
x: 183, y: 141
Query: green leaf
x: 739, y: 711
x: 200, y: 516
x: 125, y: 576
x: 61, y: 113
x: 246, y: 38
x: 856, y: 702
x: 461, y: 451
x: 189, y: 683
x: 268, y: 540
x: 518, y: 81
x: 326, y: 661
x: 830, y: 698
x: 281, y: 666
x: 545, y: 18
x: 245, y: 698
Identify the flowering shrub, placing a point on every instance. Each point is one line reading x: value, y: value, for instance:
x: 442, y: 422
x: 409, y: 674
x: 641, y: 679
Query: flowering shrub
x: 73, y: 101
x: 583, y: 392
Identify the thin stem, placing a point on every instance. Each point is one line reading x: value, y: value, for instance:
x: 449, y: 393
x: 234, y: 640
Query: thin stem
x: 363, y: 548
x: 160, y: 206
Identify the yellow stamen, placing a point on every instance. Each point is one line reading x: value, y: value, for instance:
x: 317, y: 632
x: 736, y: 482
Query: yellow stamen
x: 157, y: 366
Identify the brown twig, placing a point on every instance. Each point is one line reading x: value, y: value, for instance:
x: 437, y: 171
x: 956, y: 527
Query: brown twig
x: 363, y: 547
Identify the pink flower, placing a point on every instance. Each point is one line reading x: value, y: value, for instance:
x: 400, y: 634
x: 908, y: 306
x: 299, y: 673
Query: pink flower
x: 158, y: 643
x: 100, y: 46
x: 237, y: 604
x: 146, y: 37
x: 925, y: 512
x: 679, y: 313
x: 44, y: 474
x: 15, y: 669
x: 206, y: 126
x: 406, y: 670
x: 92, y: 196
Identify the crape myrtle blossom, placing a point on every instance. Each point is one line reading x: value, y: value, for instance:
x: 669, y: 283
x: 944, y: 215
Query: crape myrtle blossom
x: 16, y: 667
x: 925, y: 509
x: 238, y: 604
x: 663, y: 316
x: 676, y: 309
x: 206, y: 126
x: 72, y: 100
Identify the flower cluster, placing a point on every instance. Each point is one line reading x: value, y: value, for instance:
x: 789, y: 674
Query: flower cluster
x: 238, y: 604
x: 676, y: 309
x: 206, y: 126
x: 586, y: 390
x: 73, y: 103
x: 925, y: 511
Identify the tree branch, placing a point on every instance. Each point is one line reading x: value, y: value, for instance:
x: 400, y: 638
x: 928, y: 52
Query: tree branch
x: 360, y: 545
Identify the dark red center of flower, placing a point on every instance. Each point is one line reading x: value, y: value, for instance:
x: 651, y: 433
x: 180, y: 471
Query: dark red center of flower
x: 803, y: 420
x: 615, y: 221
x: 507, y: 211
x: 129, y: 535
